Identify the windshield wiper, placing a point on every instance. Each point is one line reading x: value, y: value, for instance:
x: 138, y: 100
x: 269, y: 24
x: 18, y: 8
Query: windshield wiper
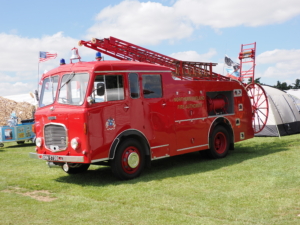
x: 67, y: 81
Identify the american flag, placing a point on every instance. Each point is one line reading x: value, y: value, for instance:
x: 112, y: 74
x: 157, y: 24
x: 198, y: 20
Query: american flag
x: 44, y: 56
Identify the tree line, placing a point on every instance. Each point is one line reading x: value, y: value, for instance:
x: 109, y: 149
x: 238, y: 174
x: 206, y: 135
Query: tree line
x: 281, y: 86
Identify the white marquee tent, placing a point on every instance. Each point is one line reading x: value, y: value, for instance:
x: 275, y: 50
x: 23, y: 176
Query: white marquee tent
x: 284, y: 114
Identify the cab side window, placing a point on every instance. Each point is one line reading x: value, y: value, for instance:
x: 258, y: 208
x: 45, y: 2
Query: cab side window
x: 152, y: 86
x: 134, y: 85
x: 112, y: 86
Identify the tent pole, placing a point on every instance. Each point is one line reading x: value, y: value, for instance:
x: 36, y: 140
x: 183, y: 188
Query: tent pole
x: 277, y: 130
x: 274, y: 114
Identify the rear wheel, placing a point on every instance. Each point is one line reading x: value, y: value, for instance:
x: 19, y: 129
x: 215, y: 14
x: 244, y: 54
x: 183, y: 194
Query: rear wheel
x: 129, y: 160
x: 219, y: 143
x: 73, y: 168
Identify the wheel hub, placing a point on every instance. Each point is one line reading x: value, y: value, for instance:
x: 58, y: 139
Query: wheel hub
x: 220, y: 143
x: 133, y: 160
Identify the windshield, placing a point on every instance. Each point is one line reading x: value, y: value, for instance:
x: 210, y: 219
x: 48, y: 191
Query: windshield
x: 73, y: 88
x: 48, y: 91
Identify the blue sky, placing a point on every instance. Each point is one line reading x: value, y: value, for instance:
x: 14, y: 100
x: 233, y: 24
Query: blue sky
x: 195, y: 30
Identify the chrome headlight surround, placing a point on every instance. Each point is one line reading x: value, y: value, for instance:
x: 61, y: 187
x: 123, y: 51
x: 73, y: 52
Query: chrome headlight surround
x: 75, y: 143
x: 39, y: 141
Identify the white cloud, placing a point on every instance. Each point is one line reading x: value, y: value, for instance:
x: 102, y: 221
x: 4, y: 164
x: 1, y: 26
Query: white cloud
x: 221, y: 14
x: 281, y: 64
x: 152, y: 22
x: 21, y: 53
x: 278, y: 55
x: 19, y: 59
x: 140, y: 23
x: 194, y: 56
x: 7, y: 88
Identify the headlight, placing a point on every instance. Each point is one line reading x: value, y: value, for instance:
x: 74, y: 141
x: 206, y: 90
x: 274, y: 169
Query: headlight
x: 39, y: 141
x: 75, y: 143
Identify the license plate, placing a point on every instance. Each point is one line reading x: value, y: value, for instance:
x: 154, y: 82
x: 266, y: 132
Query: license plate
x: 50, y: 157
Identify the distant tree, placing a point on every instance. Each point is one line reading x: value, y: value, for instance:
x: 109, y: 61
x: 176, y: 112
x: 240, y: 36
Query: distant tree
x: 256, y: 81
x: 278, y: 85
x: 282, y: 86
x: 296, y: 84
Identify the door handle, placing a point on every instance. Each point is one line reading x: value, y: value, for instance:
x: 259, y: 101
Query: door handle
x: 126, y: 107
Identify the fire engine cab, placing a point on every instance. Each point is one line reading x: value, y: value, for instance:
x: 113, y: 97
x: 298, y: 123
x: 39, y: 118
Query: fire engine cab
x: 143, y: 107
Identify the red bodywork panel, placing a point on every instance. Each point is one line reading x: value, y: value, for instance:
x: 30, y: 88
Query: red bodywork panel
x: 178, y: 122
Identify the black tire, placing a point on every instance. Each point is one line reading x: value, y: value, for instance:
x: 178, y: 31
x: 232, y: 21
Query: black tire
x: 74, y: 168
x: 219, y: 143
x: 129, y: 160
x: 20, y: 142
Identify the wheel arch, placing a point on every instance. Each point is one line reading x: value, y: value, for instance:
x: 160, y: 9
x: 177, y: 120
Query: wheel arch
x: 222, y: 121
x: 132, y: 133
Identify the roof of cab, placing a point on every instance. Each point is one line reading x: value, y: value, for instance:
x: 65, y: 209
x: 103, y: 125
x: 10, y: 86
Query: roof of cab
x: 114, y: 65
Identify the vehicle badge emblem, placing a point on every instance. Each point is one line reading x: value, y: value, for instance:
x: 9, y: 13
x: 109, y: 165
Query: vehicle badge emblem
x: 110, y: 124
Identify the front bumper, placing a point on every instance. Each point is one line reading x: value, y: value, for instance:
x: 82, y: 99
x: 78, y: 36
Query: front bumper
x: 57, y: 158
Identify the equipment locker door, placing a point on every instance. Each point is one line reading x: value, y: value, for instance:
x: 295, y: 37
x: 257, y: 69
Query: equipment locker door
x: 190, y: 122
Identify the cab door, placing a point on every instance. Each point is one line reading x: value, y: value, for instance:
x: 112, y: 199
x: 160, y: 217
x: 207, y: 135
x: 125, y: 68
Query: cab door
x: 108, y: 115
x: 135, y: 104
x: 157, y: 120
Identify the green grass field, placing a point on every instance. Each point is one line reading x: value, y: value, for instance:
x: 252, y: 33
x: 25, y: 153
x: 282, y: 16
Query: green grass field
x: 257, y: 183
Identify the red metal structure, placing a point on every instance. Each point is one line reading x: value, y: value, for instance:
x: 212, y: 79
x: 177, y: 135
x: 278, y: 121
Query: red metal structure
x: 128, y: 112
x: 123, y: 50
x: 257, y: 94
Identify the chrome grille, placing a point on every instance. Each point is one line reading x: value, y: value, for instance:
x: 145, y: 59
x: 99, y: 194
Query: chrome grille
x: 55, y: 137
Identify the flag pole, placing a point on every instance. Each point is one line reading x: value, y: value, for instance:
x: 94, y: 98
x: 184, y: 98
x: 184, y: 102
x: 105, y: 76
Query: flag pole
x: 38, y: 72
x: 38, y: 76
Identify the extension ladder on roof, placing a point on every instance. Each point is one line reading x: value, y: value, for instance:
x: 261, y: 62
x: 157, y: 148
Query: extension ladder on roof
x: 123, y: 50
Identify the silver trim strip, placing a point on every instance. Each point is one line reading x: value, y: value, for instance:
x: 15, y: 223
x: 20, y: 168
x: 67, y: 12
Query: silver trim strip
x: 155, y: 158
x: 192, y: 119
x: 62, y: 158
x: 222, y: 115
x: 134, y: 71
x: 115, y: 147
x: 99, y: 160
x: 160, y: 146
x: 119, y: 141
x: 183, y: 149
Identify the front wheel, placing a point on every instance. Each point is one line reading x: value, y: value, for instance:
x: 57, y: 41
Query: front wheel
x: 129, y: 160
x: 73, y: 168
x: 219, y: 143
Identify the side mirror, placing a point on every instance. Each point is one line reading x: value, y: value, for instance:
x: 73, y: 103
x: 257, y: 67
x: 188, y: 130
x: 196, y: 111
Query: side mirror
x: 100, y: 89
x: 36, y: 95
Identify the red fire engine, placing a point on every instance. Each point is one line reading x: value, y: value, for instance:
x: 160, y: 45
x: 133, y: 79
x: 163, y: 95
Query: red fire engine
x: 143, y: 107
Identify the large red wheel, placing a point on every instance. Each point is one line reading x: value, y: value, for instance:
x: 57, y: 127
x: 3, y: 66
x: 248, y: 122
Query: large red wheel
x: 260, y: 106
x: 129, y: 160
x: 218, y: 143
